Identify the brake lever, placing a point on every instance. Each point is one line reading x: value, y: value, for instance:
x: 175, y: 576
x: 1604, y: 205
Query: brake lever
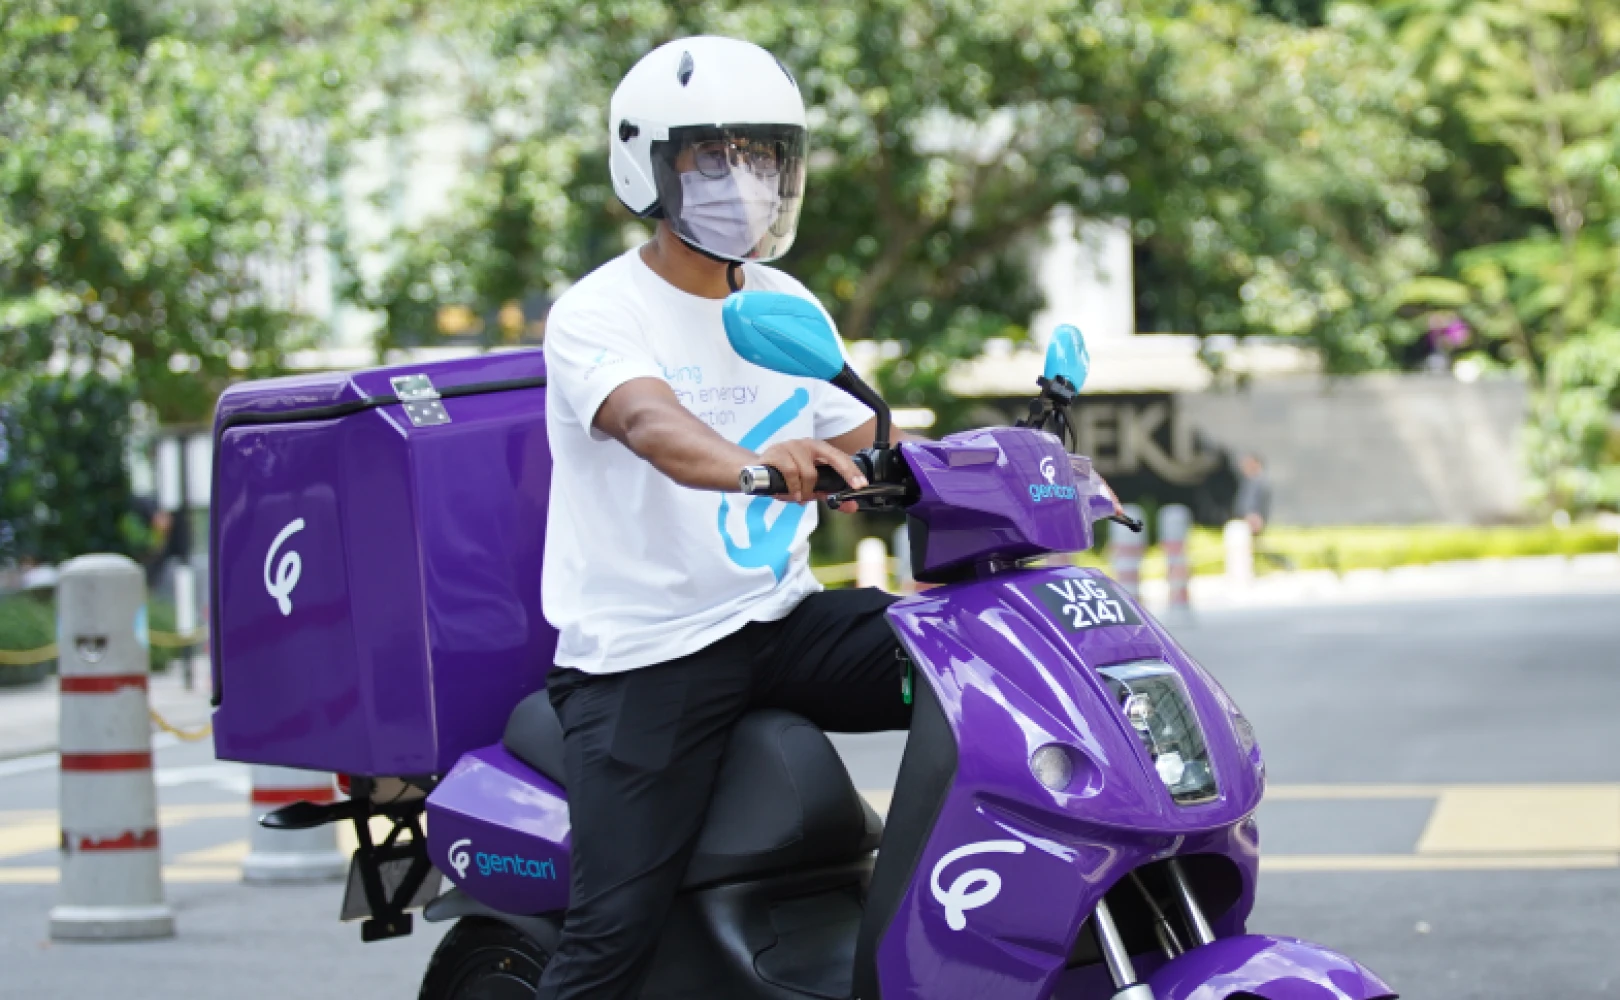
x: 1128, y: 521
x: 877, y: 491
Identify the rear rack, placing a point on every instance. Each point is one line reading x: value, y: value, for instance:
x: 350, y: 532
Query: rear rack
x: 387, y: 878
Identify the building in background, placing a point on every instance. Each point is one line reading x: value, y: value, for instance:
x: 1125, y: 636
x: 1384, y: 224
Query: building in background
x: 1165, y: 427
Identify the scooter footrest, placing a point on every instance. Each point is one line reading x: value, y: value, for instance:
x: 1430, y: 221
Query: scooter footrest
x: 307, y: 815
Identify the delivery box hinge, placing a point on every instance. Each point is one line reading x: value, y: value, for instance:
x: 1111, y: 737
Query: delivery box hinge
x: 420, y: 399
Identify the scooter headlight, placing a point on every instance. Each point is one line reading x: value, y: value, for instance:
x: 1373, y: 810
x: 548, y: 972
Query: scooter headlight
x: 1154, y: 701
x: 1052, y: 767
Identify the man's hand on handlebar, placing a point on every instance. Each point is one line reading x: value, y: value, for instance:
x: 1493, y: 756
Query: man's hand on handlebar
x: 797, y: 460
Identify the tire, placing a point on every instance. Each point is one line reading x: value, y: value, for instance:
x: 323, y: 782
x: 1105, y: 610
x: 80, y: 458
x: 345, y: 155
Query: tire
x: 483, y: 959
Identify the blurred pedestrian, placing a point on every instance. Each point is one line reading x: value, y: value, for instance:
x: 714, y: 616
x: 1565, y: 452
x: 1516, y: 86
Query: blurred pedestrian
x: 1253, y: 501
x: 160, y: 540
x: 1253, y: 505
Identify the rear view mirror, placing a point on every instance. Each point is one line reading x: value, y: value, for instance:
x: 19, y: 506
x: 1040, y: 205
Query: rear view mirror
x: 782, y: 332
x: 1066, y: 355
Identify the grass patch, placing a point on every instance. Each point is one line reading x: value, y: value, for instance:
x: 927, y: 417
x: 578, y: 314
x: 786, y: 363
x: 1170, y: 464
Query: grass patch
x: 1373, y: 547
x: 1343, y: 549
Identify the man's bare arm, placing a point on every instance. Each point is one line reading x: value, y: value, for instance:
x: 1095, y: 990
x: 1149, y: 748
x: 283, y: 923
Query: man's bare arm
x: 644, y: 415
x: 850, y: 442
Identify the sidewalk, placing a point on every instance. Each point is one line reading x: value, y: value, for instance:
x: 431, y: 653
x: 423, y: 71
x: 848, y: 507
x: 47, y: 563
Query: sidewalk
x: 1595, y: 573
x: 28, y: 714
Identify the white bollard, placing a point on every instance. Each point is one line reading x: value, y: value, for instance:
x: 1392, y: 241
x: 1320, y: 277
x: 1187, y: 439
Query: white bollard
x: 185, y: 613
x: 1239, y: 541
x: 1125, y: 551
x: 281, y: 857
x: 1175, y: 524
x: 872, y: 564
x: 905, y: 581
x: 112, y: 876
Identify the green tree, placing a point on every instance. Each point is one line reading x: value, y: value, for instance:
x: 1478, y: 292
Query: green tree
x: 1530, y: 95
x: 1267, y: 168
x: 162, y: 183
x: 1278, y: 184
x: 63, y: 488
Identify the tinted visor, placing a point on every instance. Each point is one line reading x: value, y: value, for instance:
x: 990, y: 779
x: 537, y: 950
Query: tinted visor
x: 734, y: 192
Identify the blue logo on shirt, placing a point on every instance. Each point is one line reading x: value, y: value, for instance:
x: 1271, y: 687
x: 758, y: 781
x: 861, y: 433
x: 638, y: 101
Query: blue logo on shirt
x: 768, y: 545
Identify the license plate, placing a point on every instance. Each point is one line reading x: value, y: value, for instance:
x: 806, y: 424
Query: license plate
x: 1083, y: 603
x: 393, y: 874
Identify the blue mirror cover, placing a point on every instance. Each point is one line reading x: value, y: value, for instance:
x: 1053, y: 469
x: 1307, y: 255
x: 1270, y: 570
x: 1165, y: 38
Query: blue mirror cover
x: 782, y: 332
x: 1066, y: 355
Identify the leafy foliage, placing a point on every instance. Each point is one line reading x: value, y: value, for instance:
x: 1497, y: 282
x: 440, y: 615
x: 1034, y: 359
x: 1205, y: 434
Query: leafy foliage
x: 1354, y: 176
x: 161, y: 185
x: 1530, y: 95
x: 1282, y: 190
x: 1267, y: 167
x: 63, y: 488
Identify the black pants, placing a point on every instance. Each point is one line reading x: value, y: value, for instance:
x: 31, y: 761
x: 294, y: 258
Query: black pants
x: 642, y: 749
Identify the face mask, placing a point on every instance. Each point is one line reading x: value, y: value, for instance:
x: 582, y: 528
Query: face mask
x: 728, y: 215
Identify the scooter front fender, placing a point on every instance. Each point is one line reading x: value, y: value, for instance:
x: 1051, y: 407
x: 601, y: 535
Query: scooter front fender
x: 1273, y: 968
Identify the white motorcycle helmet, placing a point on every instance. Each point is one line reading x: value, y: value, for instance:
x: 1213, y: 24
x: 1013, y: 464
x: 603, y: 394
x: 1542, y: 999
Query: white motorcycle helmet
x: 709, y: 133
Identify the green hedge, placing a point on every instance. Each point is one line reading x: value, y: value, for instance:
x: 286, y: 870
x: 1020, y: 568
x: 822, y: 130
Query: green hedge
x: 1343, y: 549
x: 25, y: 623
x: 28, y: 622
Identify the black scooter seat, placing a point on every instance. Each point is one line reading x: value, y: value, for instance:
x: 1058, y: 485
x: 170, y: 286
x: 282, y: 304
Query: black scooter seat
x: 783, y: 800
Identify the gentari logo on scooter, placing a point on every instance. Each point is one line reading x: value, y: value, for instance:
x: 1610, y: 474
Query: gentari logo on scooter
x: 461, y: 858
x: 1051, y: 489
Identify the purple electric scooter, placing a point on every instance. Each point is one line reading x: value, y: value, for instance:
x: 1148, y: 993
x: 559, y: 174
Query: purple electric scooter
x: 1073, y: 816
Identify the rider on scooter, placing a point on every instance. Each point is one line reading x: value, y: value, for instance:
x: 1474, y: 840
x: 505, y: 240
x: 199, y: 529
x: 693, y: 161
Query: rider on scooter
x: 681, y: 608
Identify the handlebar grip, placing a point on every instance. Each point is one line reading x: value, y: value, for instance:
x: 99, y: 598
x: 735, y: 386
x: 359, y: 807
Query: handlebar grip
x: 766, y: 480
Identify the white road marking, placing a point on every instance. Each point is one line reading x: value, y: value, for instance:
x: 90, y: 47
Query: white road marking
x: 171, y: 873
x: 1435, y: 862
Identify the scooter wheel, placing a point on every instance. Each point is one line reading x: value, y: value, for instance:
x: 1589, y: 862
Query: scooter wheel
x: 482, y: 959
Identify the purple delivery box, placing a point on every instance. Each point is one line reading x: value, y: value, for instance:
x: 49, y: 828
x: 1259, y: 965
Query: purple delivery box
x: 376, y: 544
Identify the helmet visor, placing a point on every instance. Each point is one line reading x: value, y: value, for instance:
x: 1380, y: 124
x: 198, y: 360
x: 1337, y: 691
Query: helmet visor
x: 733, y: 192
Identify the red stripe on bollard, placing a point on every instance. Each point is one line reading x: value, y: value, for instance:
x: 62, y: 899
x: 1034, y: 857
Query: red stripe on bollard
x: 287, y: 796
x: 134, y: 760
x: 102, y: 685
x: 131, y: 840
x: 291, y: 856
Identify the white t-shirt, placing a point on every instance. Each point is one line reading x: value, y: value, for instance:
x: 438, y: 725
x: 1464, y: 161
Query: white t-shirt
x: 640, y: 569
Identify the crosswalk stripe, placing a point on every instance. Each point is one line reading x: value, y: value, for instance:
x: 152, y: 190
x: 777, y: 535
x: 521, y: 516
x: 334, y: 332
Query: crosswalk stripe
x: 229, y: 853
x: 1435, y: 862
x: 1478, y: 827
x: 39, y: 875
x: 1507, y: 819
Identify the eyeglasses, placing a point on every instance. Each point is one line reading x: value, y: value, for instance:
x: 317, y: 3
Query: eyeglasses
x: 714, y: 157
